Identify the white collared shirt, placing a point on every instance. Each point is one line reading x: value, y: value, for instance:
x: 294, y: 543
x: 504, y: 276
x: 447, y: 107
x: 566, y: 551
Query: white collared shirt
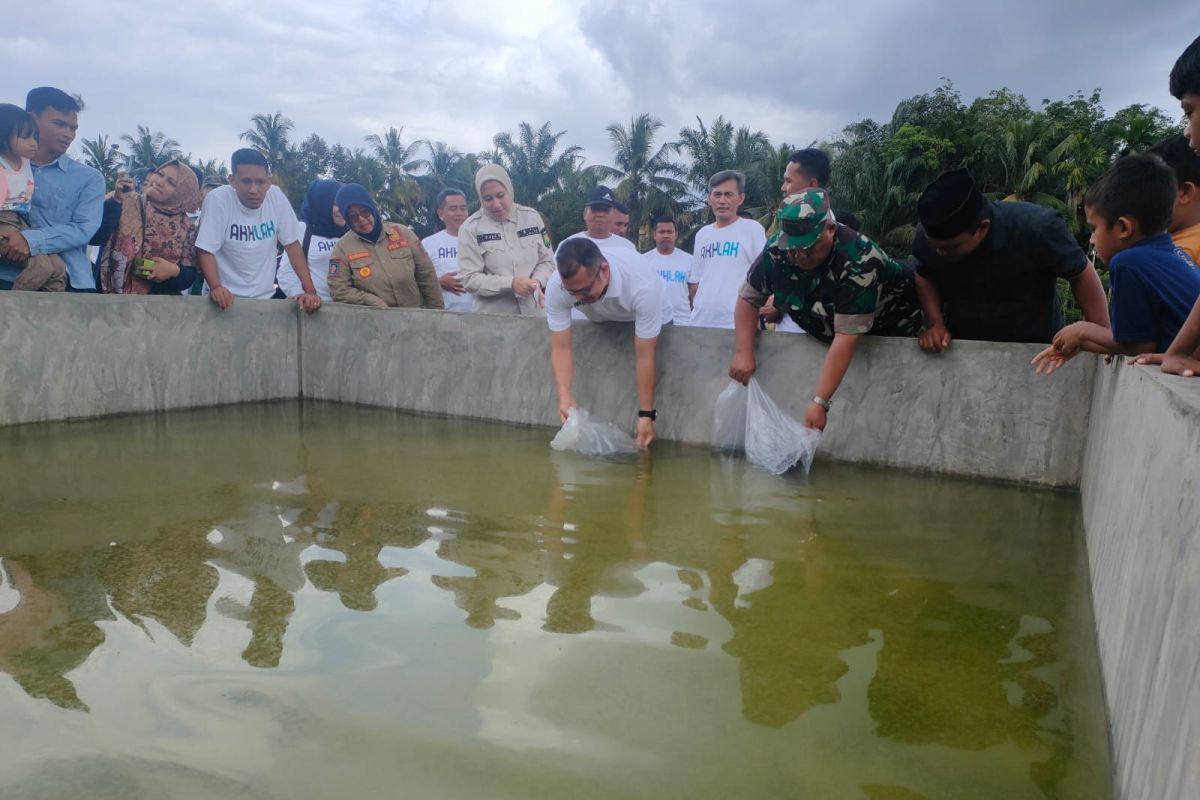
x: 635, y: 294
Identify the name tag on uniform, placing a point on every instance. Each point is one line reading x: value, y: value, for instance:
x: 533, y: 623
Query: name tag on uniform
x: 361, y: 254
x: 487, y: 237
x: 529, y: 232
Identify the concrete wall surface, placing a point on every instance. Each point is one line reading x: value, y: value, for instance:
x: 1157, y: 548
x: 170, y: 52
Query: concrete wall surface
x: 1141, y: 504
x: 68, y: 356
x: 976, y: 410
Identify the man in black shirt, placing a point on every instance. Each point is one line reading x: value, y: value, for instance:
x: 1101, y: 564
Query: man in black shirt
x: 987, y: 270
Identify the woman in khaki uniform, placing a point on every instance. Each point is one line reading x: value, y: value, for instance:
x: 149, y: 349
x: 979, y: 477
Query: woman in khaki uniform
x: 504, y: 258
x: 379, y: 264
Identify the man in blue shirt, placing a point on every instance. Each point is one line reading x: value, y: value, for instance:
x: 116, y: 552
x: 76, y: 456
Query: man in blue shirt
x: 68, y: 198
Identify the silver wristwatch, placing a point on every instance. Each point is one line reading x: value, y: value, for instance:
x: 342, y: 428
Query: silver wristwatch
x: 822, y: 402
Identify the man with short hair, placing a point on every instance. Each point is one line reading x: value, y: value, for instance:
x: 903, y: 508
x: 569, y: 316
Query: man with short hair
x: 598, y: 211
x: 620, y: 222
x: 605, y: 289
x: 724, y: 251
x: 810, y: 169
x: 68, y: 202
x: 674, y: 266
x: 988, y: 270
x: 442, y: 248
x: 242, y: 225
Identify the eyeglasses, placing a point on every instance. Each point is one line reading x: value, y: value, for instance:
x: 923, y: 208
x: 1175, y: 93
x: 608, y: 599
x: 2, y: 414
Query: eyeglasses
x: 354, y: 214
x: 586, y: 290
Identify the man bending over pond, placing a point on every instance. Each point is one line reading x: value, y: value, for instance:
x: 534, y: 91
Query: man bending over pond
x: 606, y: 288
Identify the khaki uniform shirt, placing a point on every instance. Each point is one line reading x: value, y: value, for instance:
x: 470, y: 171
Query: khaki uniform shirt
x: 491, y: 254
x: 394, y: 272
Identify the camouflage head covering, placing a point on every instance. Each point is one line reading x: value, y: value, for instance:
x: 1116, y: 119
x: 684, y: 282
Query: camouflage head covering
x: 802, y: 217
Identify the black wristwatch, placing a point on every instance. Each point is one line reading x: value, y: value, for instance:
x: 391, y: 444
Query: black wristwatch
x: 651, y: 415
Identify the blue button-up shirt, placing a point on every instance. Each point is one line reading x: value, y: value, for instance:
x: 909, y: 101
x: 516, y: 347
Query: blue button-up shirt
x: 68, y: 201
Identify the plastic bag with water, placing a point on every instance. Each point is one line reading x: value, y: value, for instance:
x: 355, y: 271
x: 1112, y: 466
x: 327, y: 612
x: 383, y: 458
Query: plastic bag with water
x: 747, y: 421
x: 592, y: 437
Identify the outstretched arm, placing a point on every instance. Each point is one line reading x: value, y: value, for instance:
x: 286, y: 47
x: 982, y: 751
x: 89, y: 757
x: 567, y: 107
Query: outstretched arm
x: 644, y: 350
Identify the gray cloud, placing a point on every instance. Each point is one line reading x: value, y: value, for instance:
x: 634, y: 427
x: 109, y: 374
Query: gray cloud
x: 460, y: 72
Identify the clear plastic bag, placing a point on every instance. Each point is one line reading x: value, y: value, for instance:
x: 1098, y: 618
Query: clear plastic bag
x: 747, y: 420
x: 592, y: 437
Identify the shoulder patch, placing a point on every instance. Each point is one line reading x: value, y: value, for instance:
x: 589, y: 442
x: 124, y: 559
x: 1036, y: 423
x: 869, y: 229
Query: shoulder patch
x: 335, y: 267
x: 487, y: 237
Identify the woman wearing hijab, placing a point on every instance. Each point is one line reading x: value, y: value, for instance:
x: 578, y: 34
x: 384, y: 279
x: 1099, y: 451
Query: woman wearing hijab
x: 152, y: 251
x: 379, y: 264
x: 504, y: 256
x: 321, y: 225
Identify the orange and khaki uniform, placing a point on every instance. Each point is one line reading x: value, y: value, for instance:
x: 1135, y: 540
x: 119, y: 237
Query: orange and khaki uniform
x: 394, y: 272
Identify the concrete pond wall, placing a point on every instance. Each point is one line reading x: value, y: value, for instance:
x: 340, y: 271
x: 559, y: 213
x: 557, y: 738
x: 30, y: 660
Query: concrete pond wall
x: 1127, y: 437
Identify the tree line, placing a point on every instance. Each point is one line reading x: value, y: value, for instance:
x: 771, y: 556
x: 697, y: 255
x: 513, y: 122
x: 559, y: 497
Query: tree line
x: 1047, y: 155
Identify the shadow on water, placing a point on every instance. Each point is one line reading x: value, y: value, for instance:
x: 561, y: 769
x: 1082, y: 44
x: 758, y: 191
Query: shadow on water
x: 859, y: 633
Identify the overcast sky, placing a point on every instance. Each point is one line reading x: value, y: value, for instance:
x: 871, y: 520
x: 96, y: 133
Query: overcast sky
x: 446, y: 69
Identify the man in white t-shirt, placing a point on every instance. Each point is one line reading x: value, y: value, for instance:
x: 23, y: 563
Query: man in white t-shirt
x: 674, y: 267
x: 723, y: 252
x: 598, y: 214
x: 241, y: 228
x: 442, y: 248
x: 605, y: 289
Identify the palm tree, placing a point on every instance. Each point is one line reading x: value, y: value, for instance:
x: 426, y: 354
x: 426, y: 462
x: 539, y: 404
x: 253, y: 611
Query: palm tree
x: 647, y: 179
x: 269, y: 136
x: 766, y: 173
x: 391, y: 150
x: 212, y: 169
x: 720, y: 147
x: 151, y: 149
x: 531, y: 160
x: 100, y: 155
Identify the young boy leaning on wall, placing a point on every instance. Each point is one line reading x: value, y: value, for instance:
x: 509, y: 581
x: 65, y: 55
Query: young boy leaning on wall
x: 1154, y: 284
x: 1183, y: 356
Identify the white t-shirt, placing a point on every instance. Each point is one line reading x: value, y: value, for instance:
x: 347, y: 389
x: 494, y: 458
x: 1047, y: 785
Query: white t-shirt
x: 17, y: 187
x: 610, y: 242
x: 245, y: 241
x: 443, y: 252
x: 319, y: 250
x: 635, y: 294
x: 723, y: 257
x: 675, y: 271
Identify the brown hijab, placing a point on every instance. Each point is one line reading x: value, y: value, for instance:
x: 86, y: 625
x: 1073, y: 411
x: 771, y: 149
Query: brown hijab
x: 149, y: 229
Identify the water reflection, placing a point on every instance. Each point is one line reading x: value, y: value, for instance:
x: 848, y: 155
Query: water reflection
x: 864, y: 606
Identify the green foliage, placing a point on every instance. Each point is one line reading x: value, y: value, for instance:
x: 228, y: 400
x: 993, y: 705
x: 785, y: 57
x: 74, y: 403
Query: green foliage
x: 100, y: 155
x: 1047, y: 155
x: 150, y: 149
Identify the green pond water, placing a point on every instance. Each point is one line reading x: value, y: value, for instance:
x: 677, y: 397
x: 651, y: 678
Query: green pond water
x: 276, y: 601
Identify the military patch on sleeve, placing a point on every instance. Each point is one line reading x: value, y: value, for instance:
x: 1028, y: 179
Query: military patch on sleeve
x: 521, y: 234
x: 546, y: 239
x: 487, y: 237
x: 335, y: 267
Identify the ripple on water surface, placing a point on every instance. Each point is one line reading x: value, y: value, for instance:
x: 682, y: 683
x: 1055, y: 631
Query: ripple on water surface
x: 283, y: 602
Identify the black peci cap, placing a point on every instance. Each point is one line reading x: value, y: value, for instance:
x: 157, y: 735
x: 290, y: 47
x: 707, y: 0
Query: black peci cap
x: 951, y: 205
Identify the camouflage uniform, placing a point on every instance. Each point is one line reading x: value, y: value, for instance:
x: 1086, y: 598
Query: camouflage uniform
x: 859, y: 290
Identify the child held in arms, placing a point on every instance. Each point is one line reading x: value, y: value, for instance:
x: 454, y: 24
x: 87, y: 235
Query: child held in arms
x: 18, y: 144
x: 1154, y: 284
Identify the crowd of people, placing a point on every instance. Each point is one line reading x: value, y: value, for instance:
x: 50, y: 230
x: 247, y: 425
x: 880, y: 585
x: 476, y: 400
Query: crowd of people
x: 981, y: 269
